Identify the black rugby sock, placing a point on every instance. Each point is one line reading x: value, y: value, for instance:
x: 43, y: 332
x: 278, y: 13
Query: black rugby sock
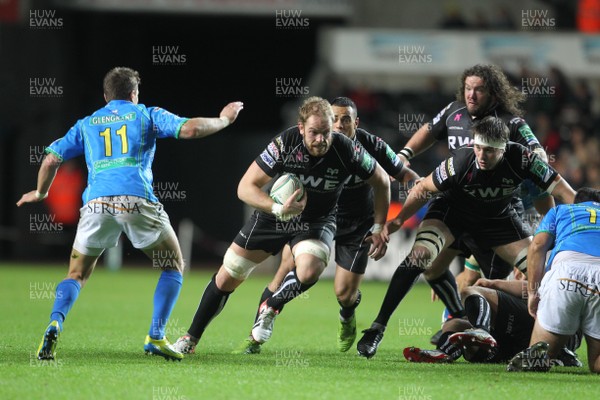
x: 264, y: 296
x: 478, y: 311
x: 444, y: 345
x: 445, y: 288
x: 212, y: 302
x: 290, y: 288
x: 347, y: 312
x: 402, y: 280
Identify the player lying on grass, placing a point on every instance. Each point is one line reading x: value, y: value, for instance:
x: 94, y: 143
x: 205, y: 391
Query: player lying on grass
x: 118, y: 142
x: 497, y: 327
x: 477, y: 185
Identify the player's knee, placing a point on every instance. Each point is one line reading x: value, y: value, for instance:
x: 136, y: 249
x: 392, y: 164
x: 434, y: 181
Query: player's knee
x: 313, y: 247
x: 345, y: 294
x: 237, y: 266
x: 311, y: 256
x: 520, y: 262
x: 429, y: 242
x: 467, y: 291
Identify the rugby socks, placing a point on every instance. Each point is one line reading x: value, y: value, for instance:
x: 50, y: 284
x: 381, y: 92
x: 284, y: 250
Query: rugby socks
x: 212, y: 302
x: 347, y: 312
x: 453, y: 350
x: 264, y: 296
x: 445, y: 288
x: 165, y: 295
x: 478, y: 311
x: 66, y: 294
x: 402, y: 280
x: 290, y: 288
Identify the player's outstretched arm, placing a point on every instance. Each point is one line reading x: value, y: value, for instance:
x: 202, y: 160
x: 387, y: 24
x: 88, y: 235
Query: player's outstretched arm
x: 420, y: 141
x: 196, y: 128
x: 563, y: 191
x: 46, y: 175
x: 417, y: 197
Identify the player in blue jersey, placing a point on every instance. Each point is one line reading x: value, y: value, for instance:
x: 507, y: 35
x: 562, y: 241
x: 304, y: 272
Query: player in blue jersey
x: 118, y: 142
x: 565, y: 296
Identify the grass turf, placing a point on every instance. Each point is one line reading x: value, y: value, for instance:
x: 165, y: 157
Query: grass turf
x: 100, y: 353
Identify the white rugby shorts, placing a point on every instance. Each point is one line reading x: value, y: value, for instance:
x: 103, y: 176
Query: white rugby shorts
x: 102, y: 221
x: 570, y: 295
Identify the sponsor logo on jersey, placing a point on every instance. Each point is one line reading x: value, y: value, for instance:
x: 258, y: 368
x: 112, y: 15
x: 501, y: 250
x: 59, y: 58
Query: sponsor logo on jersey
x: 527, y: 134
x: 112, y: 119
x: 266, y: 157
x: 319, y: 182
x: 490, y: 192
x: 273, y: 150
x: 457, y: 117
x: 450, y: 166
x: 462, y: 142
x: 367, y: 162
x: 541, y: 170
x: 105, y: 164
x: 391, y: 154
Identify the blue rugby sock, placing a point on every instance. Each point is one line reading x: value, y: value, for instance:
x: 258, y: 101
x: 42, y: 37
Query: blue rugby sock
x: 165, y: 296
x: 66, y: 294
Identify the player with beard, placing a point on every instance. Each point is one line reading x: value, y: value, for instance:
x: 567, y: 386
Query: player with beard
x: 324, y: 161
x: 484, y: 91
x: 354, y: 219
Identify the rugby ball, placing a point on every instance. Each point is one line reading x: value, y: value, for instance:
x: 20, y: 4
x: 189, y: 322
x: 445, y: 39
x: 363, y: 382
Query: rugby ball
x: 284, y: 187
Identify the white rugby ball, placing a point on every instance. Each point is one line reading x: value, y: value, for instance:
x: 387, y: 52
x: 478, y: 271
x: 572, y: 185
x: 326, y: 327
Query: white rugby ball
x: 284, y: 187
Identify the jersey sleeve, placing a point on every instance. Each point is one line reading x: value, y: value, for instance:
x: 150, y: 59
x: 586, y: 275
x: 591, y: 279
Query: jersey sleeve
x: 69, y: 146
x: 437, y: 126
x: 448, y: 173
x: 164, y: 123
x: 521, y: 133
x: 548, y: 223
x: 534, y: 168
x: 270, y: 160
x: 384, y: 155
x: 363, y: 164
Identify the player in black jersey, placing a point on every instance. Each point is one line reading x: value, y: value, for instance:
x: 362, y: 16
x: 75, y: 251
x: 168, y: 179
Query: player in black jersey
x: 324, y: 161
x: 484, y: 91
x: 354, y: 221
x: 499, y: 307
x: 477, y: 185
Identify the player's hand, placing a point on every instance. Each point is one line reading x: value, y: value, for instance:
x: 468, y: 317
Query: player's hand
x: 434, y: 297
x: 293, y: 207
x: 483, y: 282
x: 378, y: 246
x: 390, y: 227
x: 231, y: 111
x: 29, y: 197
x: 533, y: 299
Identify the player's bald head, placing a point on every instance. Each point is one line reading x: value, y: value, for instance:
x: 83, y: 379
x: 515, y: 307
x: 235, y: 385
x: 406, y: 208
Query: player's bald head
x: 120, y: 82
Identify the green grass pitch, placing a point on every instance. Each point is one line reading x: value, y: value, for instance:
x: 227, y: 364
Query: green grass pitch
x: 100, y: 353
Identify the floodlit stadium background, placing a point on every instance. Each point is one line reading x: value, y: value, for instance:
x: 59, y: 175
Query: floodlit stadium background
x: 399, y: 62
